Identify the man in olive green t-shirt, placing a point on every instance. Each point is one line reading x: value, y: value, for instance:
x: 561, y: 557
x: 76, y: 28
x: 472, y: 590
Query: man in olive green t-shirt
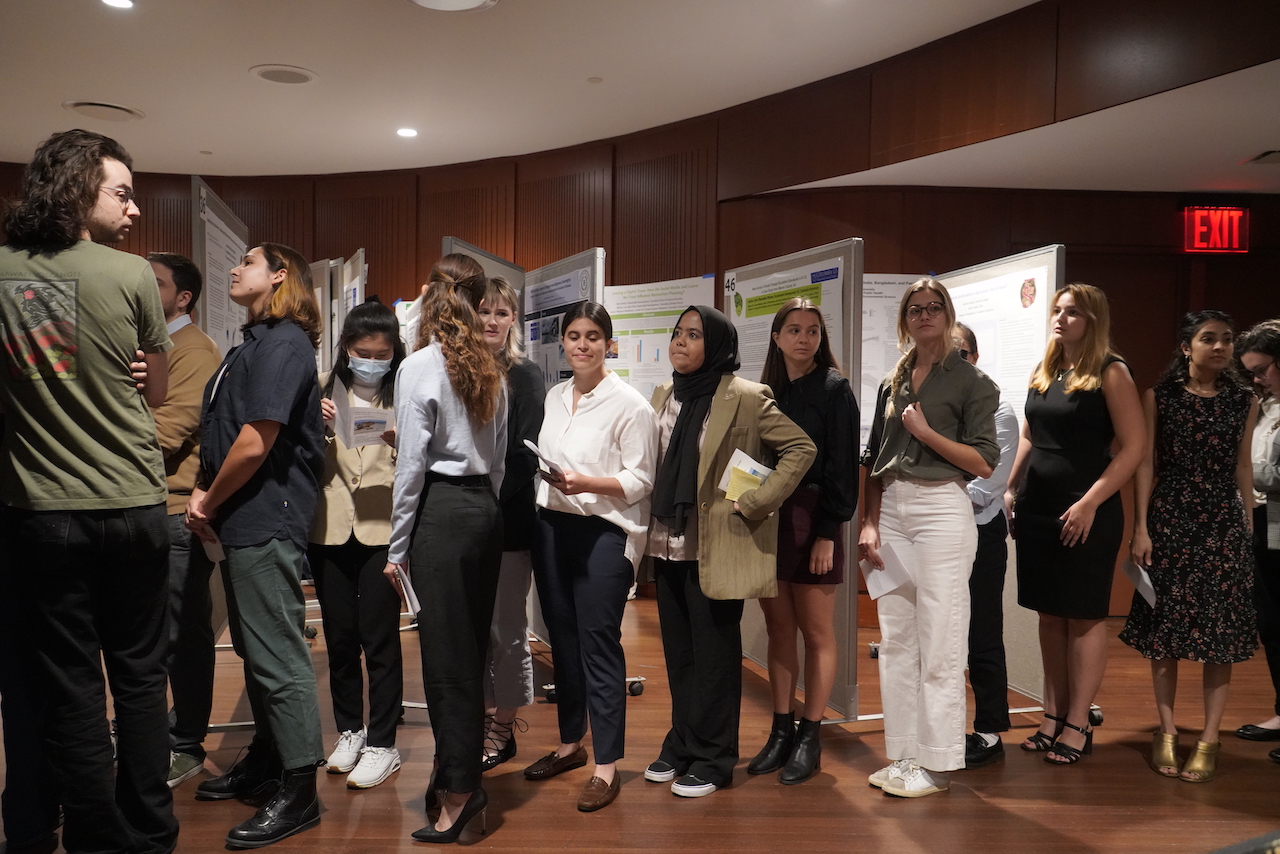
x: 82, y: 485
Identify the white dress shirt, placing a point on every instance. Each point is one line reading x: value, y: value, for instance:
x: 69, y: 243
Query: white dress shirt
x: 987, y: 493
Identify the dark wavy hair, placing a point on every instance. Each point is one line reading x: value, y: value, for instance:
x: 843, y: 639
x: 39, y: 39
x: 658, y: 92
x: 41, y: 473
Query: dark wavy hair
x: 59, y: 189
x: 1178, y: 372
x: 369, y: 319
x: 186, y: 275
x: 774, y: 374
x: 592, y: 311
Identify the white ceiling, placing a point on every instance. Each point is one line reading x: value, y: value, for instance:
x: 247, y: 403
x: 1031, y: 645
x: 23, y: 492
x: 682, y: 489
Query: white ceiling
x: 513, y: 79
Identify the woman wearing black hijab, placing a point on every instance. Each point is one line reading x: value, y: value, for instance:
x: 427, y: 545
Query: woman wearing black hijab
x: 709, y: 553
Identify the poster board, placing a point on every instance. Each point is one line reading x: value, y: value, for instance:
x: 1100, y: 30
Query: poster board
x: 1006, y: 302
x: 881, y: 296
x: 548, y: 293
x: 643, y: 317
x: 831, y: 276
x: 492, y: 264
x: 219, y: 240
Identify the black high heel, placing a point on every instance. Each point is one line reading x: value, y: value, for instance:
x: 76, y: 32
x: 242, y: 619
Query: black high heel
x: 474, y: 807
x: 1068, y: 755
x: 508, y: 748
x: 1042, y: 740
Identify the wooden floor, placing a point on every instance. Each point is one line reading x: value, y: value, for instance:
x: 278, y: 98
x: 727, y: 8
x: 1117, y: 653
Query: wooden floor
x: 1109, y: 802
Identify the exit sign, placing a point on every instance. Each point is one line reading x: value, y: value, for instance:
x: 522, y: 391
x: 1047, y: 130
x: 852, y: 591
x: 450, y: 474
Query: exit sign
x: 1215, y: 229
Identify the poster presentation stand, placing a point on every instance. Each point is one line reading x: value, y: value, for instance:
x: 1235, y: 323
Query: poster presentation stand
x: 492, y: 264
x: 548, y: 293
x: 831, y: 276
x: 218, y: 243
x: 643, y: 318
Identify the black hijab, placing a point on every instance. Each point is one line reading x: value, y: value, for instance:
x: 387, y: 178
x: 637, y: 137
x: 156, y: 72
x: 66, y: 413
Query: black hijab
x: 675, y: 494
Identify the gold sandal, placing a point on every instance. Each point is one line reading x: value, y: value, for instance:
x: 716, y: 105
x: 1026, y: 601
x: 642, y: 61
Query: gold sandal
x: 1164, y: 753
x: 1202, y: 764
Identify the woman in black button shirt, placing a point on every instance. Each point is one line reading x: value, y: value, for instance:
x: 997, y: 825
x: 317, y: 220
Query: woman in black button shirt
x: 806, y: 381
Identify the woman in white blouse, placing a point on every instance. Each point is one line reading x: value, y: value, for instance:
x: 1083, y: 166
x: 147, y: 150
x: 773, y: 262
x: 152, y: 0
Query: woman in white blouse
x: 592, y: 525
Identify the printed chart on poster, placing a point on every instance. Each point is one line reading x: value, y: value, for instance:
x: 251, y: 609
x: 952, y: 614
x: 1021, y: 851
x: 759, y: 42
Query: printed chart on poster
x: 643, y: 317
x: 548, y: 293
x: 1006, y: 304
x: 753, y: 295
x: 881, y: 295
x: 219, y: 241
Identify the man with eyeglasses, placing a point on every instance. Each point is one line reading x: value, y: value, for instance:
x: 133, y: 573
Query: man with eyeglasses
x: 82, y: 496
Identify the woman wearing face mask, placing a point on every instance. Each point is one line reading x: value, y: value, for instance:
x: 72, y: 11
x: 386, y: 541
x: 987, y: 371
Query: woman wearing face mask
x: 348, y: 551
x: 711, y: 553
x: 592, y: 524
x: 509, y: 674
x: 1192, y: 502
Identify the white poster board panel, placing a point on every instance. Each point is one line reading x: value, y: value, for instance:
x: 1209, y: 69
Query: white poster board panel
x: 548, y: 293
x: 643, y: 318
x: 881, y: 296
x: 493, y: 265
x: 218, y: 243
x: 832, y: 277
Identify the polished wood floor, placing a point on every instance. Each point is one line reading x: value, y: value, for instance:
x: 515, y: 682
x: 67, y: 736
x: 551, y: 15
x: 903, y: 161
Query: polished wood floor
x: 1110, y: 802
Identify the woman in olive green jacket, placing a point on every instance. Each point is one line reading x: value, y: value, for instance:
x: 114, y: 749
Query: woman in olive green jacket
x: 711, y: 553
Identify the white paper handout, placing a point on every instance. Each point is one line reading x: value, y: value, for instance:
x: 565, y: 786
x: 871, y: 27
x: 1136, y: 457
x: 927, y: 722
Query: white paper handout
x: 359, y: 425
x: 410, y: 597
x: 554, y: 470
x: 1141, y: 579
x: 744, y: 463
x: 881, y: 581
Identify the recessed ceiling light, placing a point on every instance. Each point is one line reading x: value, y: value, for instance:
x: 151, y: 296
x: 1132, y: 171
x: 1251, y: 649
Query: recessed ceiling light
x: 407, y: 132
x: 119, y: 4
x: 595, y: 79
x: 454, y: 5
x: 104, y: 111
x: 288, y: 74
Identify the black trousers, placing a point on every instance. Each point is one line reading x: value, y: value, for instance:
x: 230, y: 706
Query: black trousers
x: 361, y: 613
x: 702, y: 644
x: 1266, y: 595
x: 454, y: 557
x: 988, y: 675
x: 583, y: 577
x: 191, y: 643
x: 91, y: 586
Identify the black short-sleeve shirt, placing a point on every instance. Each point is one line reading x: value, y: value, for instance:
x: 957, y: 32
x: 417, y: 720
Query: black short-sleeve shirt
x: 270, y: 377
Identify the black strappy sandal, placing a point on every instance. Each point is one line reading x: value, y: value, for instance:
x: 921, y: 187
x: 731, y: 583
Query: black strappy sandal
x: 1068, y: 755
x: 1042, y: 740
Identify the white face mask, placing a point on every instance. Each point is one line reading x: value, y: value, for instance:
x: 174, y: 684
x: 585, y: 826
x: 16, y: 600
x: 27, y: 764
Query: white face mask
x: 368, y: 371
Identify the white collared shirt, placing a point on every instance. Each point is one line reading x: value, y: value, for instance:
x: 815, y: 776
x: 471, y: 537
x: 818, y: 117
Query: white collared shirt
x: 178, y: 322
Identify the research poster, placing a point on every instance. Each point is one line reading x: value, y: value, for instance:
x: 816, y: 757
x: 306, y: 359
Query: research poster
x: 643, y: 319
x: 548, y: 294
x: 223, y: 250
x: 881, y: 295
x: 751, y: 304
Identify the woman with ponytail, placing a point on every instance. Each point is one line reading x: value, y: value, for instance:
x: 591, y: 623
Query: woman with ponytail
x: 446, y: 531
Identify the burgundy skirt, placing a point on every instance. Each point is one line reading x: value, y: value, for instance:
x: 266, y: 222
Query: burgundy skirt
x: 795, y: 540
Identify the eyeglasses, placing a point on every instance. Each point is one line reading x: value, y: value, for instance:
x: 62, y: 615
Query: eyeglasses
x: 964, y: 354
x: 933, y: 309
x: 1258, y: 373
x: 124, y: 195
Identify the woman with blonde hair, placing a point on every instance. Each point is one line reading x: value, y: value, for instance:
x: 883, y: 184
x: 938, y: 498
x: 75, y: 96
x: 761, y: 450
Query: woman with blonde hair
x: 805, y: 378
x: 934, y: 429
x: 1067, y: 518
x: 446, y: 531
x: 261, y: 458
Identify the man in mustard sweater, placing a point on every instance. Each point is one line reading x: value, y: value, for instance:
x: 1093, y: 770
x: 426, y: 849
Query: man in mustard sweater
x: 192, y: 361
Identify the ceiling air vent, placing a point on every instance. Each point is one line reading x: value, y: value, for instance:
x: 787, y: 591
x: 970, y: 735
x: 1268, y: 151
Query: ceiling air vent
x: 104, y: 111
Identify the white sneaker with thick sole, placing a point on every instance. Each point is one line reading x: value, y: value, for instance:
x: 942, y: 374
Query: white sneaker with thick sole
x: 691, y: 786
x: 916, y: 782
x: 659, y: 772
x: 346, y: 753
x: 376, y: 765
x: 895, y: 769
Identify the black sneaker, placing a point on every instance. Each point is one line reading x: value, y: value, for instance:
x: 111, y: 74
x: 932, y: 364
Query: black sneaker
x: 978, y: 753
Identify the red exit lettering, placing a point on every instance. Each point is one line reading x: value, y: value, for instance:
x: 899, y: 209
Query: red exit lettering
x: 1215, y: 229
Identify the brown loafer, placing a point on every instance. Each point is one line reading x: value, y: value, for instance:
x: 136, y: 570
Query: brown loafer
x: 598, y: 794
x: 551, y: 765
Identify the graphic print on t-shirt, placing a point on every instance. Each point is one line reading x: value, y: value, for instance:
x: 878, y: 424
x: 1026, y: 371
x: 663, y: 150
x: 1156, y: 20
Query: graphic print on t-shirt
x: 38, y: 328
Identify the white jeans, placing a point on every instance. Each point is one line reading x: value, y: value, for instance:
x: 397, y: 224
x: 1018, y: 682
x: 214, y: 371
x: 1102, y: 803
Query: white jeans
x: 924, y: 624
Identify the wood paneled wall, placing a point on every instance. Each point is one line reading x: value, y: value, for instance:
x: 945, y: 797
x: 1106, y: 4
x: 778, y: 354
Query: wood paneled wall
x: 564, y: 205
x: 475, y: 203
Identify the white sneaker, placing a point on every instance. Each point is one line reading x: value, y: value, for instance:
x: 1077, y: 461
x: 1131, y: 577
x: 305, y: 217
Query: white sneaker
x: 916, y: 782
x: 691, y: 786
x: 346, y: 753
x: 895, y: 769
x: 376, y: 765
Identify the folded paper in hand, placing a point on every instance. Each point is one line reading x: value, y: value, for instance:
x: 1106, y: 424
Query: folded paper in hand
x: 881, y: 581
x: 551, y: 468
x: 410, y: 598
x: 1141, y: 579
x: 359, y: 425
x: 742, y: 475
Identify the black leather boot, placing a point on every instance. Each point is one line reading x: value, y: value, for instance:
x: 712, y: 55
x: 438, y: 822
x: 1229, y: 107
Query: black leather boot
x: 295, y: 808
x: 777, y: 748
x: 806, y: 756
x: 252, y: 776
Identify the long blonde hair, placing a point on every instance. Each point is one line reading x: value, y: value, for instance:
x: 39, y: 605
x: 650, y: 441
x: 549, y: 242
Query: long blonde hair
x: 906, y: 346
x: 496, y: 290
x: 449, y: 318
x: 1094, y: 347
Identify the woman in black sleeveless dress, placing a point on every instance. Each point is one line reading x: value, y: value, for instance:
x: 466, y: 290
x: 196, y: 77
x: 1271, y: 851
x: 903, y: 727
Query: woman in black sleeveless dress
x: 1068, y: 520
